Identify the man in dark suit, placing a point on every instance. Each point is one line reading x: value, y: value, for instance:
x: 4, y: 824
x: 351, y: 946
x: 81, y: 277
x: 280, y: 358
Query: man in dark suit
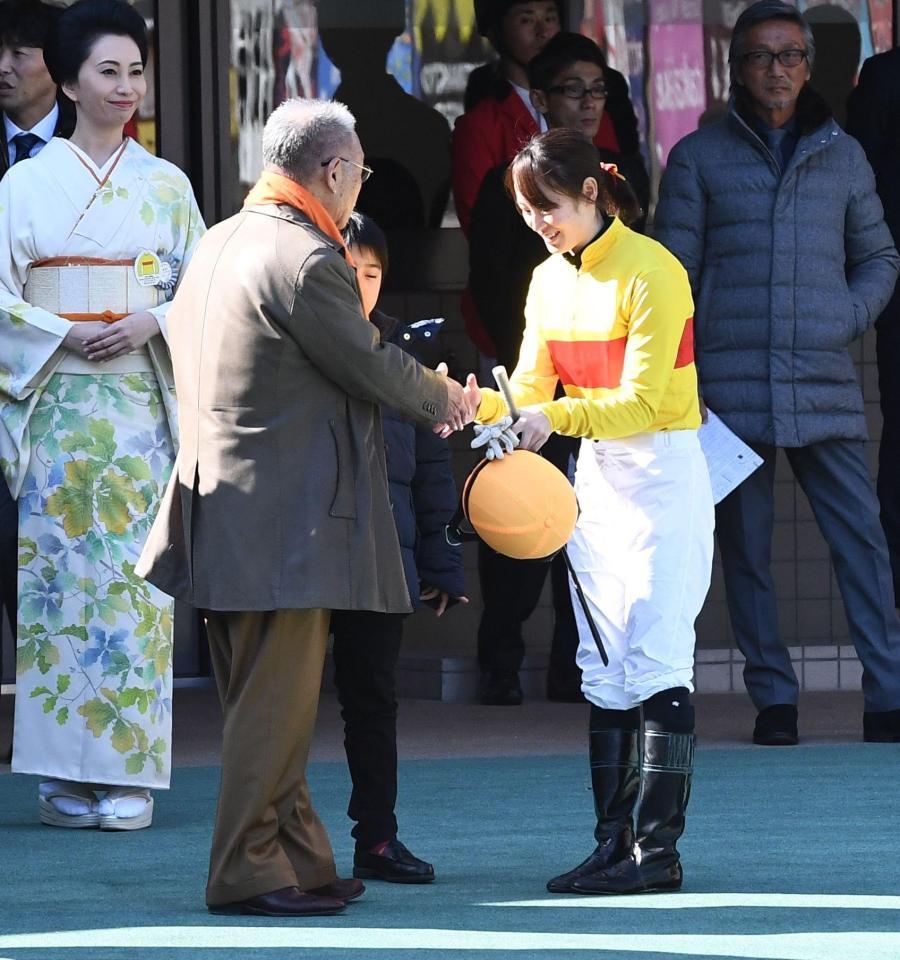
x: 32, y: 113
x: 32, y: 110
x: 873, y: 117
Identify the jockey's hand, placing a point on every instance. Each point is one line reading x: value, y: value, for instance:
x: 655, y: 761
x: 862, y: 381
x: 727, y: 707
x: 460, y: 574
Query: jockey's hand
x: 533, y: 428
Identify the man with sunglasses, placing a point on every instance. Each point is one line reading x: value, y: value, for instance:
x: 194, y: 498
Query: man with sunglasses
x: 773, y: 213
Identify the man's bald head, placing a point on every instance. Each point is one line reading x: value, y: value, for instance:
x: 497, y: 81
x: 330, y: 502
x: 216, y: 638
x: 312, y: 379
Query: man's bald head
x: 301, y: 134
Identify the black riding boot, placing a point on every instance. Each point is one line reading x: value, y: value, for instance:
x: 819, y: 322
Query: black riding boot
x: 615, y: 779
x: 666, y: 773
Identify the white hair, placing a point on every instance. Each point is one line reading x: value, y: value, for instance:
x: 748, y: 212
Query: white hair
x: 300, y: 134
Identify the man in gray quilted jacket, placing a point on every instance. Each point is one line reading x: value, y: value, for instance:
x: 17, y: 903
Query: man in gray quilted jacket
x: 773, y: 213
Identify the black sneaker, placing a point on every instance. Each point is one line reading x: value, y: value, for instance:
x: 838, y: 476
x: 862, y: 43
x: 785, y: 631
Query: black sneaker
x: 776, y: 726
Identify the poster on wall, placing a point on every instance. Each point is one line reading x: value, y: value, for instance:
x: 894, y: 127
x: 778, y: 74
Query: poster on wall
x: 719, y: 20
x: 449, y: 48
x: 253, y: 62
x: 677, y: 87
x: 635, y: 23
x: 881, y: 21
x: 296, y: 46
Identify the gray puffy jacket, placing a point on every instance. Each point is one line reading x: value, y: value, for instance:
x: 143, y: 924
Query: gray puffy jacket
x: 787, y: 270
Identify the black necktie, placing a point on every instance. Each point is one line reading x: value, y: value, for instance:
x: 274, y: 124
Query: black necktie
x: 24, y: 144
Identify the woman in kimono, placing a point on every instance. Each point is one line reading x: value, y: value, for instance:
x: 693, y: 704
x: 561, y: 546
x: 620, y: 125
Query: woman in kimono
x: 94, y: 234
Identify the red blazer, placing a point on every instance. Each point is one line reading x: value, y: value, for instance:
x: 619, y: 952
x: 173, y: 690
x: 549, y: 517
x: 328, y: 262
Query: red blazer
x: 491, y: 134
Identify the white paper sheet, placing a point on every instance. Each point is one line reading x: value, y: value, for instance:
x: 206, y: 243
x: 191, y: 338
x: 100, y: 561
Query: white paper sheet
x: 729, y: 459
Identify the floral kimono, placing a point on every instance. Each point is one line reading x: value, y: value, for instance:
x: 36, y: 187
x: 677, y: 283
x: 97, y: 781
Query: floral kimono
x: 86, y: 449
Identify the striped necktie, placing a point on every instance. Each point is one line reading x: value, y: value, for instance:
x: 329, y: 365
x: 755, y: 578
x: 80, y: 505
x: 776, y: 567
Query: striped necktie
x: 24, y: 144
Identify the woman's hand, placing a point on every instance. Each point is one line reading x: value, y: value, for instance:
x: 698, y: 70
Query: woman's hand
x: 533, y: 427
x: 81, y: 334
x: 431, y: 593
x: 122, y: 337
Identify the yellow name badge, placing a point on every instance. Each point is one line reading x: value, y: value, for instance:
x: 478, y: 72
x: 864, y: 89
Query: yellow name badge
x: 150, y: 271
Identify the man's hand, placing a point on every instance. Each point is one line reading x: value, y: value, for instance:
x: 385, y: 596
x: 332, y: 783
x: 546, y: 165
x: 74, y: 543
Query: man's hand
x: 461, y: 402
x: 81, y: 334
x: 430, y: 593
x: 533, y: 427
x: 122, y: 337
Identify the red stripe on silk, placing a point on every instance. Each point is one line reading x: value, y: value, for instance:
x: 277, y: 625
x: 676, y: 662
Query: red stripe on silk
x: 596, y: 364
x: 589, y: 363
x: 685, y: 355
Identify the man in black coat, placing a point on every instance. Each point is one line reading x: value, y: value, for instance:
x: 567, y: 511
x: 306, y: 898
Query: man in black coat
x: 873, y: 117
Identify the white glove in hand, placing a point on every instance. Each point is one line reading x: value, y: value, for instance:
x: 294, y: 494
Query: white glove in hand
x: 496, y: 438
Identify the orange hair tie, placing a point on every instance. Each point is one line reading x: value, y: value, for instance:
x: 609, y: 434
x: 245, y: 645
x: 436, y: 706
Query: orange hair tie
x: 611, y: 169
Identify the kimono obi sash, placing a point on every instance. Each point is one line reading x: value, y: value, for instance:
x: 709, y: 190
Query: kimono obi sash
x: 87, y: 288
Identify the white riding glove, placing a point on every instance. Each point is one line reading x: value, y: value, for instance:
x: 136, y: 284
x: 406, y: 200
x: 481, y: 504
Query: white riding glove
x: 497, y: 438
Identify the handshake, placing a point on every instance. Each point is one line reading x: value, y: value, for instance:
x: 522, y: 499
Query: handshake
x: 463, y: 403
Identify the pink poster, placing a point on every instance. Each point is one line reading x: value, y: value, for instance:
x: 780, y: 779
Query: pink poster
x: 677, y: 78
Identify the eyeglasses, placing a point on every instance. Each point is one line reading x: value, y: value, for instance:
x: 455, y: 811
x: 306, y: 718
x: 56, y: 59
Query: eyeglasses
x: 763, y: 59
x: 366, y: 171
x: 575, y: 90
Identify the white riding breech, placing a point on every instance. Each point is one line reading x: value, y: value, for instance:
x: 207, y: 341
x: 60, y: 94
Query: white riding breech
x: 642, y: 551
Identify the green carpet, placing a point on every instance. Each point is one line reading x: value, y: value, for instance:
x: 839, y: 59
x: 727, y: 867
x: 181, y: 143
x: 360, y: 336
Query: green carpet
x: 789, y: 854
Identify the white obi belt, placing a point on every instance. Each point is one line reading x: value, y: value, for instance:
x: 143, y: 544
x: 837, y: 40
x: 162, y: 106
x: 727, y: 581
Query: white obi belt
x: 87, y: 288
x: 93, y: 289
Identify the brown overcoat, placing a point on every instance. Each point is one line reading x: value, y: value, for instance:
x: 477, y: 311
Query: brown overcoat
x: 279, y: 498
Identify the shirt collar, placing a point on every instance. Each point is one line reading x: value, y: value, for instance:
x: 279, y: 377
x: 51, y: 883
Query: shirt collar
x: 525, y: 96
x: 43, y: 128
x: 594, y: 251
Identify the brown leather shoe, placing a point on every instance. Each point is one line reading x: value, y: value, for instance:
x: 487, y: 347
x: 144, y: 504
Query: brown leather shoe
x: 291, y: 902
x: 341, y: 889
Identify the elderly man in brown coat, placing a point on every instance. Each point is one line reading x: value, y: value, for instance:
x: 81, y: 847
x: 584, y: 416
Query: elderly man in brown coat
x: 278, y: 511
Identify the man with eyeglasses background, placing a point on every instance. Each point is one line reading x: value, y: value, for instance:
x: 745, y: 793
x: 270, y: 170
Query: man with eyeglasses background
x: 773, y: 213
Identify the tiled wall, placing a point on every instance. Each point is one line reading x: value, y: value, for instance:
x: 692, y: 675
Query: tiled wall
x: 810, y: 611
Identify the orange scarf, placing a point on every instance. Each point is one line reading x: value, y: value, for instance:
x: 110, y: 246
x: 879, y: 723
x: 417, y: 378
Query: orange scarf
x: 274, y: 188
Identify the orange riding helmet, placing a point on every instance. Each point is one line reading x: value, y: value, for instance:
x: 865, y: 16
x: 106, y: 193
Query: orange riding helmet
x: 521, y: 506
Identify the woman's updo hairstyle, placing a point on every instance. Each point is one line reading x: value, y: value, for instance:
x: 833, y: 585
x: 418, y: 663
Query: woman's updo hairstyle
x: 80, y: 26
x: 562, y: 160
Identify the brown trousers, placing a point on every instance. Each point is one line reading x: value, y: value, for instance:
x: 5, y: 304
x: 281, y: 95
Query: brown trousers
x: 268, y: 668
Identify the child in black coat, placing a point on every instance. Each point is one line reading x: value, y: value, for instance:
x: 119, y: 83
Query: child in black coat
x: 367, y: 644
